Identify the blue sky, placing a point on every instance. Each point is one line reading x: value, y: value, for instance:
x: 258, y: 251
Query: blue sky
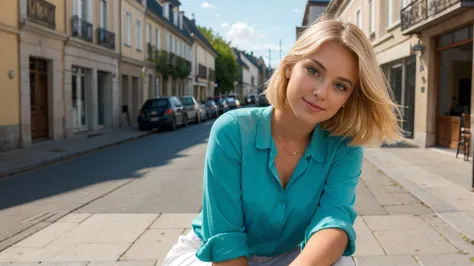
x: 251, y: 25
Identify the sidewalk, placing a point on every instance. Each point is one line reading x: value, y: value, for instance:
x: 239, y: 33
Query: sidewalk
x: 393, y: 228
x: 47, y: 152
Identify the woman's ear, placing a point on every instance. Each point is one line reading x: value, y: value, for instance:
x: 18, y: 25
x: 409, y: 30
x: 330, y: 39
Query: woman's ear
x: 288, y: 72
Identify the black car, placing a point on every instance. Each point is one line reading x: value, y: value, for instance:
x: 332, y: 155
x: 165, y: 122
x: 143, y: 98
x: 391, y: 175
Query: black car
x: 163, y: 112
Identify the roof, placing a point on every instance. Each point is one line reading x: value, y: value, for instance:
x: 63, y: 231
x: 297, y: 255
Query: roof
x: 191, y: 27
x: 239, y: 59
x: 173, y: 2
x: 154, y: 7
x: 312, y: 3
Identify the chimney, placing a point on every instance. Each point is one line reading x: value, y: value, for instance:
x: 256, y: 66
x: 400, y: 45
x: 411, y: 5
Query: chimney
x: 181, y: 14
x: 193, y: 19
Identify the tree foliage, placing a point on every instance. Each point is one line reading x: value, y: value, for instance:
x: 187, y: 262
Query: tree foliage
x: 227, y: 70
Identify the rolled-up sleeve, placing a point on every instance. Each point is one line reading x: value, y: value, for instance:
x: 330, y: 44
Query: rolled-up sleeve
x: 223, y: 229
x: 336, y: 206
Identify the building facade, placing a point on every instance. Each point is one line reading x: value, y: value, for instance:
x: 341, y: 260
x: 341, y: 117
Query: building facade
x: 11, y: 126
x: 248, y: 74
x: 203, y: 63
x: 313, y: 10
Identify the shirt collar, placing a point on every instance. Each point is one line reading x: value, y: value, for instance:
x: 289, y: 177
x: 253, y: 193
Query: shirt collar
x: 316, y: 148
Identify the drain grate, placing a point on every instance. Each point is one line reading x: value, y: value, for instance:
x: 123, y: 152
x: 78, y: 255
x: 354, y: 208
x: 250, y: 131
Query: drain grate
x: 39, y: 218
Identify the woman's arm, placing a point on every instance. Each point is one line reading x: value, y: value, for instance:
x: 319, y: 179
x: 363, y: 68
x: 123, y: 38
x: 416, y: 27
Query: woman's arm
x: 331, y: 234
x: 223, y: 228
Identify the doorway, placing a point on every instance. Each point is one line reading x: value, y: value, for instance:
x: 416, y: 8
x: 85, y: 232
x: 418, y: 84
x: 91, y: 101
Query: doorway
x: 454, y: 85
x: 101, y: 88
x: 409, y: 104
x: 39, y: 98
x: 79, y: 103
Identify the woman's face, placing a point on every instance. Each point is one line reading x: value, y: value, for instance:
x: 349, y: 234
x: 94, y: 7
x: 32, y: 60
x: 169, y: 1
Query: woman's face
x: 322, y: 83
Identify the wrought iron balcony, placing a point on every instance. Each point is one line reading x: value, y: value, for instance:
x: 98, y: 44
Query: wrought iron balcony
x: 106, y: 38
x: 42, y: 12
x: 420, y: 10
x: 81, y: 28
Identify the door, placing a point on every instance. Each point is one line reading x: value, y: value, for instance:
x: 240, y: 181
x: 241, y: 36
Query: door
x: 79, y: 106
x: 409, y: 110
x: 39, y: 98
x: 101, y: 98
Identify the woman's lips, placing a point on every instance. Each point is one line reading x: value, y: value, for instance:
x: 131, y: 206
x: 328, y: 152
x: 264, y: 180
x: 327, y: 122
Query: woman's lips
x: 312, y: 106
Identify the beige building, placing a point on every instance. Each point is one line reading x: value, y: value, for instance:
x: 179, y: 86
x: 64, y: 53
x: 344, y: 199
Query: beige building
x: 91, y: 80
x: 203, y: 68
x: 425, y: 50
x: 10, y: 124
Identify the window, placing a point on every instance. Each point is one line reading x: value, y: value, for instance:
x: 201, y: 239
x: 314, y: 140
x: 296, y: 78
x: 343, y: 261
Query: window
x: 359, y: 19
x: 139, y: 35
x: 404, y: 3
x: 148, y: 33
x: 128, y: 29
x: 175, y: 18
x: 372, y: 15
x: 157, y: 32
x: 389, y: 13
x: 166, y: 10
x: 170, y: 42
x: 103, y: 14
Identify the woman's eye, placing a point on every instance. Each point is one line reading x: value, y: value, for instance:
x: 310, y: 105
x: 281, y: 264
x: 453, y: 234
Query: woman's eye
x: 341, y: 87
x: 313, y: 71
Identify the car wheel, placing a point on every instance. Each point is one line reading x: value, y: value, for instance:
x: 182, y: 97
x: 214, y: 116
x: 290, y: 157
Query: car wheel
x: 198, y: 118
x: 173, y: 124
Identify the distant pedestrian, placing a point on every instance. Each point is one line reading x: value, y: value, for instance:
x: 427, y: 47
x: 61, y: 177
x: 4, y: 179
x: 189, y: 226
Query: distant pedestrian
x: 279, y: 181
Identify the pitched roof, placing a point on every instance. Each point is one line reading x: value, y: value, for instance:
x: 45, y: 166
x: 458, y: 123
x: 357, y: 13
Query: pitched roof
x: 157, y: 10
x: 191, y: 27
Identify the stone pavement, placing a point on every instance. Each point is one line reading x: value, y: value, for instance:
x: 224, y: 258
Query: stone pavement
x: 393, y: 228
x: 50, y: 151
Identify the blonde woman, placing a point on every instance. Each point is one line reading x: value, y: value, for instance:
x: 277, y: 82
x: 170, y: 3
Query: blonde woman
x: 280, y: 181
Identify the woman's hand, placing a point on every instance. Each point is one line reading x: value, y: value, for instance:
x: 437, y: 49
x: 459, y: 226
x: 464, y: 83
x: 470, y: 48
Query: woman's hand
x: 242, y: 261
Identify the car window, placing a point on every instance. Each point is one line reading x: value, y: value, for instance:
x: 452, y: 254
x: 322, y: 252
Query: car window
x: 231, y: 100
x: 187, y: 101
x: 156, y: 103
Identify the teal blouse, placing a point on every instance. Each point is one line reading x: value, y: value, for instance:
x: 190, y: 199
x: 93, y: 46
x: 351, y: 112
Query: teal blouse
x: 245, y: 209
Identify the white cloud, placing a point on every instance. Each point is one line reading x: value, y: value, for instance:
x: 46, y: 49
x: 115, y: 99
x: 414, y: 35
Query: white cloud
x: 207, y: 5
x: 218, y: 15
x: 245, y: 37
x: 241, y: 34
x: 224, y: 25
x: 296, y: 10
x: 272, y: 29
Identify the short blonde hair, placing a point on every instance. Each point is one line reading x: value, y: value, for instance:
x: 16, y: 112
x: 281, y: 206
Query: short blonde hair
x: 370, y: 115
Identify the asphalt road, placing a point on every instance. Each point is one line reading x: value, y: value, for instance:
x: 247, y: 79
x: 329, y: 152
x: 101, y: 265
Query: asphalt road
x: 155, y: 174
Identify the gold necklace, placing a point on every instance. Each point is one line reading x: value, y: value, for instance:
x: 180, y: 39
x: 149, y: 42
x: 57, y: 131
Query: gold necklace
x: 287, y: 151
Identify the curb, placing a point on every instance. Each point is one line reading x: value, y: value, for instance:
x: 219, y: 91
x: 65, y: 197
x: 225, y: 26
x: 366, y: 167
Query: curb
x: 33, y: 166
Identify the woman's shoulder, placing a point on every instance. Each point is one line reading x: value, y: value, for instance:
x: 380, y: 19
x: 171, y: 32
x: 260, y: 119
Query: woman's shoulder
x: 238, y: 120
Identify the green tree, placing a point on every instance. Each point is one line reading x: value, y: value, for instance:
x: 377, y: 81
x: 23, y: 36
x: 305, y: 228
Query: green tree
x: 227, y: 70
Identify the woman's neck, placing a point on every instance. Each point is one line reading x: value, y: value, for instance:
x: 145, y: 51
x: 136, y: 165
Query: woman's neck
x: 287, y: 127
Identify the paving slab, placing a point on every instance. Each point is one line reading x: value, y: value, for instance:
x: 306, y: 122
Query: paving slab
x: 366, y: 244
x: 88, y: 252
x: 394, y: 222
x: 444, y: 260
x: 405, y: 260
x: 45, y: 264
x: 123, y: 263
x: 75, y: 218
x: 414, y: 241
x: 47, y: 235
x: 174, y: 220
x: 153, y: 244
x: 415, y: 209
x: 366, y: 204
x: 108, y: 228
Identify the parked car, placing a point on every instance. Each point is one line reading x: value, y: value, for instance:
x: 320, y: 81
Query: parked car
x: 236, y: 100
x: 262, y: 101
x: 221, y: 102
x: 233, y: 103
x: 202, y: 111
x: 163, y: 112
x: 191, y: 107
x: 211, y: 108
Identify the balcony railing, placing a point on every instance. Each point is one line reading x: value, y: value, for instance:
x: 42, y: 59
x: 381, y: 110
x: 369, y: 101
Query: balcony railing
x: 42, y: 12
x: 106, y: 38
x: 81, y: 28
x: 202, y: 72
x: 419, y: 10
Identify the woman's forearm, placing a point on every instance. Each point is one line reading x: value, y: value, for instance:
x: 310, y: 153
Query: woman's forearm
x: 323, y: 248
x: 242, y: 261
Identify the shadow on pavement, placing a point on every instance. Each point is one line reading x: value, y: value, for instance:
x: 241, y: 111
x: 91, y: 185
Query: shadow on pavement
x: 129, y: 160
x: 399, y: 145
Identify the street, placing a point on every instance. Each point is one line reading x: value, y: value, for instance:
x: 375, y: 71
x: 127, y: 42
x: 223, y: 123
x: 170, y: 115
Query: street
x: 127, y: 204
x: 155, y: 174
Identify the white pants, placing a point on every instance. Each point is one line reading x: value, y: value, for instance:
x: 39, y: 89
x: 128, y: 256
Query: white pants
x: 183, y: 253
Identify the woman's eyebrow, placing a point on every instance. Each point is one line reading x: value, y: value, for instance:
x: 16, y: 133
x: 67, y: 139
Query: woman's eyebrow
x: 325, y: 70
